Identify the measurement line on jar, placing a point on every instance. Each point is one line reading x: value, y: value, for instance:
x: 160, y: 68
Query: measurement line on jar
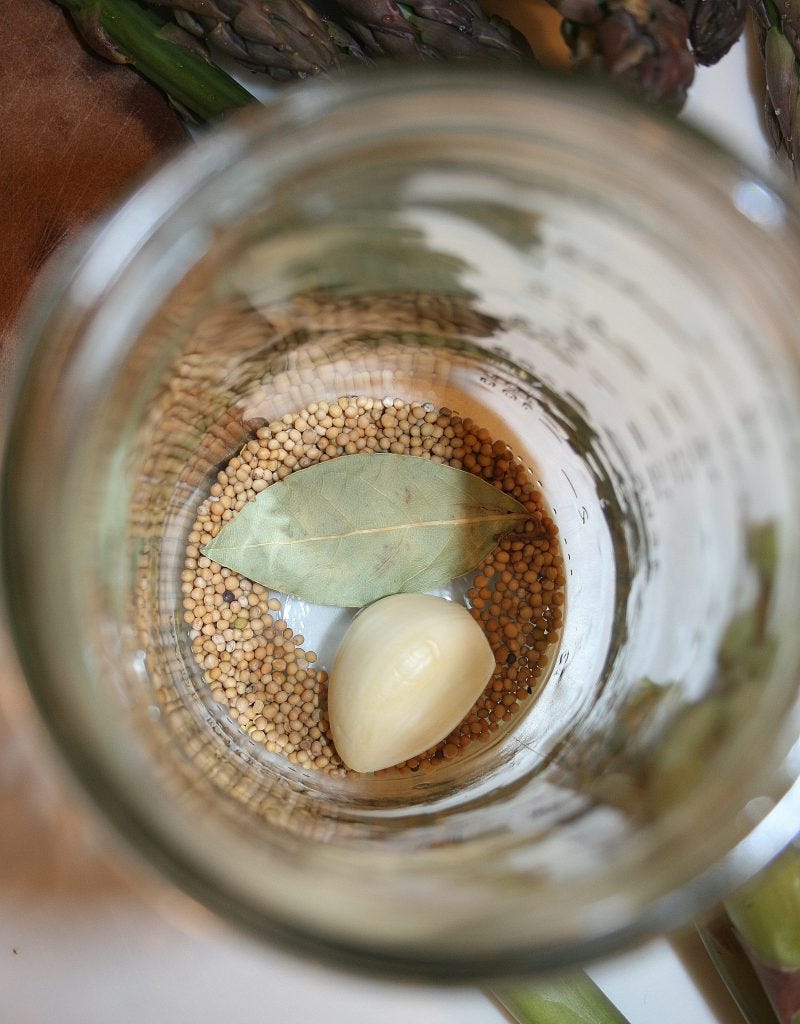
x: 571, y: 484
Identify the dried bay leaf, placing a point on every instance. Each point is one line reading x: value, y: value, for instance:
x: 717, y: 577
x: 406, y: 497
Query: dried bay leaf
x: 359, y: 527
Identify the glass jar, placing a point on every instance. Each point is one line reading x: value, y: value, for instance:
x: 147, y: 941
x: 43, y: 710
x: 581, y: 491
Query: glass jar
x: 607, y: 291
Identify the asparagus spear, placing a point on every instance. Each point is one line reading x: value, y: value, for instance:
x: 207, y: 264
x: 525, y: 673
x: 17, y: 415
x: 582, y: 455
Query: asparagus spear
x: 124, y: 32
x: 644, y: 43
x: 293, y: 37
x: 431, y: 28
x: 778, y: 34
x: 572, y: 999
x: 766, y: 916
x: 652, y: 44
x: 734, y: 968
x: 284, y: 38
x: 713, y: 27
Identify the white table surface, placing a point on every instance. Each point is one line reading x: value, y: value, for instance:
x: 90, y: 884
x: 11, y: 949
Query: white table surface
x: 88, y: 936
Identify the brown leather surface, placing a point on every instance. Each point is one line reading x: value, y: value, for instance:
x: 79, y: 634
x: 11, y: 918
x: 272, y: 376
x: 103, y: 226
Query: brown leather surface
x: 74, y: 130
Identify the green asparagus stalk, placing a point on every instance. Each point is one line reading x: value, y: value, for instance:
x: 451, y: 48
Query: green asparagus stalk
x: 766, y: 916
x: 124, y: 32
x: 778, y: 33
x: 734, y: 968
x: 572, y: 999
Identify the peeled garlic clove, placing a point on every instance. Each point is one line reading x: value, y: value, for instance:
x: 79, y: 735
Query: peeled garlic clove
x: 407, y: 672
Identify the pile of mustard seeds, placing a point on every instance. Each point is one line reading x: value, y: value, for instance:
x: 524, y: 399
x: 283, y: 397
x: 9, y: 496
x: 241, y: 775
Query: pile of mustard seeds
x: 258, y: 668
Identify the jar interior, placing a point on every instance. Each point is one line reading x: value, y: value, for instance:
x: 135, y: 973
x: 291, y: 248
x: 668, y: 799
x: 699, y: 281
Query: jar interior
x: 654, y: 405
